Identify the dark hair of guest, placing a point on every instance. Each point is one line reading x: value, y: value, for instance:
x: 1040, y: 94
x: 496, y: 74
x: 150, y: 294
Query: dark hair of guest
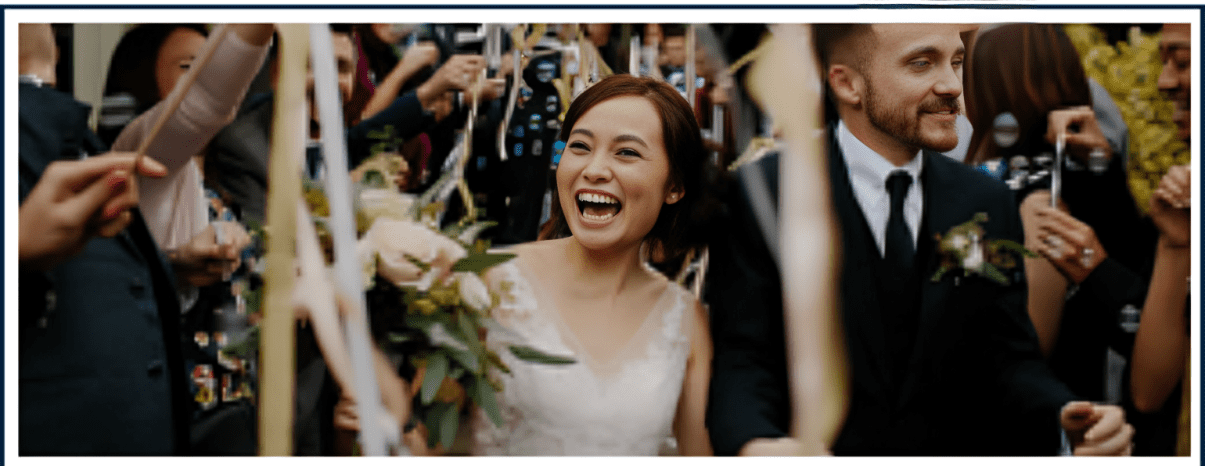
x: 132, y: 68
x: 1024, y: 69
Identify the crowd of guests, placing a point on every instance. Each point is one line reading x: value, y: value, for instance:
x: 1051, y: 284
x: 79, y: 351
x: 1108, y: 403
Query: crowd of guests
x: 137, y: 244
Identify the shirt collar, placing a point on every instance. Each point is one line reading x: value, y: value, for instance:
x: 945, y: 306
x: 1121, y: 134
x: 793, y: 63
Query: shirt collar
x: 868, y: 166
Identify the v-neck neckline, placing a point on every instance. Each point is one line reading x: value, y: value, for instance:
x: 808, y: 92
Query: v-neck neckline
x: 546, y: 306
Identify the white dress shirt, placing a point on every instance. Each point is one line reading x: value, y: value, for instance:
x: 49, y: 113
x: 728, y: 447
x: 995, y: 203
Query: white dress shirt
x: 868, y: 172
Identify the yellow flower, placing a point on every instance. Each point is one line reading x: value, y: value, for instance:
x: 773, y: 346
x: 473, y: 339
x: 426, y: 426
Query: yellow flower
x: 424, y: 306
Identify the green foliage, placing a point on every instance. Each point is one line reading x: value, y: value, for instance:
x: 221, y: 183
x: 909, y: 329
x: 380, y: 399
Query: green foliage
x: 479, y: 262
x: 529, y: 354
x: 437, y: 368
x: 245, y: 346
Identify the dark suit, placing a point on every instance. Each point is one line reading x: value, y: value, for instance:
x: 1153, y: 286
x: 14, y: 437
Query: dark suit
x: 99, y: 351
x: 975, y: 382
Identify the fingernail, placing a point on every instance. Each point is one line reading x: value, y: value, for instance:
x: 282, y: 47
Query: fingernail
x: 111, y: 213
x: 118, y: 179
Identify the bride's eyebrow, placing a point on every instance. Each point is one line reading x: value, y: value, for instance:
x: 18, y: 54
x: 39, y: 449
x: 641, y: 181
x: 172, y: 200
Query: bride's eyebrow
x: 583, y: 131
x: 632, y: 138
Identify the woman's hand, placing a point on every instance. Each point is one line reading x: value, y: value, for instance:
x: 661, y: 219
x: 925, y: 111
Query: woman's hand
x: 1069, y: 244
x: 1081, y: 142
x: 1170, y: 206
x: 212, y: 255
x: 76, y: 200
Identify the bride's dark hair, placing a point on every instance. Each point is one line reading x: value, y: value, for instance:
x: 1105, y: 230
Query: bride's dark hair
x: 672, y: 234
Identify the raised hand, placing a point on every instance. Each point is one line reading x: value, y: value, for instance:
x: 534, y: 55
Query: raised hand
x: 205, y: 260
x: 458, y: 73
x: 75, y: 200
x: 1096, y: 430
x: 420, y: 55
x: 1081, y: 130
x: 1170, y: 205
x: 1069, y: 244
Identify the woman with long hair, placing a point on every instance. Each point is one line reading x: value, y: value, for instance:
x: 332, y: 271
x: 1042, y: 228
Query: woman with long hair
x: 1095, y: 247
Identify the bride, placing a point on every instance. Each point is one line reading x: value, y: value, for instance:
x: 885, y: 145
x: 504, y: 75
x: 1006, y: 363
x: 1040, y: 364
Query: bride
x: 631, y: 164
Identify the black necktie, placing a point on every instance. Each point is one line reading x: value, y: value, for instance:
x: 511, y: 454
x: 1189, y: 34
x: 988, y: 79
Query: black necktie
x: 899, y: 248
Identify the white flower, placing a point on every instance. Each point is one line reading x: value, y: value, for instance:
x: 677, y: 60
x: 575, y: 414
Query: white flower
x: 389, y: 241
x: 473, y: 291
x: 959, y: 242
x: 974, y: 258
x: 384, y: 203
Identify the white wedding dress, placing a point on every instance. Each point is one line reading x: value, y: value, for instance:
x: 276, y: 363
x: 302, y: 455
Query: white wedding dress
x: 624, y: 406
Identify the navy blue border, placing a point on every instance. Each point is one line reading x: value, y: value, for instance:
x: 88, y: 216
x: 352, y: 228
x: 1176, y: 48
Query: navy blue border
x: 978, y: 6
x: 568, y: 6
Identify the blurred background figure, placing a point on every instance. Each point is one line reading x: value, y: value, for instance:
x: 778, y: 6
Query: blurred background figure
x: 1026, y: 89
x: 1175, y: 47
x: 100, y: 370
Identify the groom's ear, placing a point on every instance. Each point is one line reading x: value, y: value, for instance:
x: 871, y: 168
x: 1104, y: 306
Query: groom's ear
x: 846, y: 83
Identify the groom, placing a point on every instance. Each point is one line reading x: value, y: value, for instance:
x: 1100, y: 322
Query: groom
x: 946, y: 367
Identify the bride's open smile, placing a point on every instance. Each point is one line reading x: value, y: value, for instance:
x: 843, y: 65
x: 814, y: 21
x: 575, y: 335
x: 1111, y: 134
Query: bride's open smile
x: 614, y: 175
x: 597, y: 207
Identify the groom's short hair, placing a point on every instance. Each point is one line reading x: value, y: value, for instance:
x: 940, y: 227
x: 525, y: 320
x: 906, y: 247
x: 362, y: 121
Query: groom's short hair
x: 847, y: 44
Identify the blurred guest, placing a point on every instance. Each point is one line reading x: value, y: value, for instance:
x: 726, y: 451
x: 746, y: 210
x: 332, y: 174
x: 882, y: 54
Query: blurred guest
x: 1161, y: 360
x: 100, y: 370
x: 240, y: 151
x: 176, y: 206
x: 1095, y: 246
x: 148, y: 60
x: 1175, y: 46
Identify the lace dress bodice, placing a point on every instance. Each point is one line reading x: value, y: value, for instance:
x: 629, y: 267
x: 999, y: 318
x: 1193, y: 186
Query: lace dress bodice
x: 624, y: 406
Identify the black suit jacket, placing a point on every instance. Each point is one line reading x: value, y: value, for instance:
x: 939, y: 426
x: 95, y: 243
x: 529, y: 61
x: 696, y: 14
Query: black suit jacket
x: 976, y: 382
x: 100, y: 367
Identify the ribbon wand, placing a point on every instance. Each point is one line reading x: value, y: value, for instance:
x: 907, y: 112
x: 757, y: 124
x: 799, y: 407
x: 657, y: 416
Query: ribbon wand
x: 347, y: 267
x: 785, y: 81
x: 277, y: 356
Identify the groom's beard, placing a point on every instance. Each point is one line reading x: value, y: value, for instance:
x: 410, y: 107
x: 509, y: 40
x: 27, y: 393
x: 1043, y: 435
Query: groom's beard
x: 906, y: 128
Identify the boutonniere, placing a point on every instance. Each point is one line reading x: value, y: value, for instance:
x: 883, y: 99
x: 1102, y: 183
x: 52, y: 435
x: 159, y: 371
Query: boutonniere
x: 966, y: 248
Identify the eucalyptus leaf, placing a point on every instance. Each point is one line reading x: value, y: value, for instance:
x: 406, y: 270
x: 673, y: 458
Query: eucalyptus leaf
x: 940, y: 271
x: 1015, y: 247
x: 992, y: 272
x: 434, y: 419
x: 448, y: 423
x: 529, y: 354
x: 486, y: 398
x: 477, y: 263
x: 437, y: 368
x: 468, y: 331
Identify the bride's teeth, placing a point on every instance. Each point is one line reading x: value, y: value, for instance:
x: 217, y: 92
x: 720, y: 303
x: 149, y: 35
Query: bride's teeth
x: 596, y: 198
x: 597, y: 218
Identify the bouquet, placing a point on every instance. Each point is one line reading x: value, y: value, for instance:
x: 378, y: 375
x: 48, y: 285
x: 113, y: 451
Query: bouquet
x: 428, y: 300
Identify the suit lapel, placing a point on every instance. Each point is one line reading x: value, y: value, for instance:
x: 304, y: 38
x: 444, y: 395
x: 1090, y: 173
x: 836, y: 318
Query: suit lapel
x: 862, y: 309
x: 943, y: 208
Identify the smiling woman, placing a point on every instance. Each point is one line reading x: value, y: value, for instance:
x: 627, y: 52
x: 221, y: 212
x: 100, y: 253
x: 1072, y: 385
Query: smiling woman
x: 637, y: 107
x: 147, y: 62
x: 626, y: 181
